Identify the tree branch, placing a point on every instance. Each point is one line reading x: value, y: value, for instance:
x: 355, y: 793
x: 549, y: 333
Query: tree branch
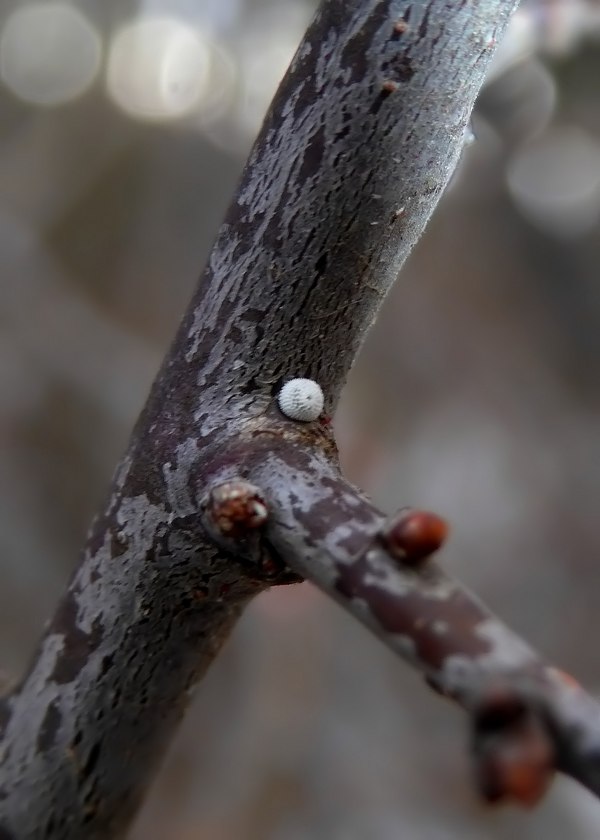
x: 220, y: 496
x: 335, y: 537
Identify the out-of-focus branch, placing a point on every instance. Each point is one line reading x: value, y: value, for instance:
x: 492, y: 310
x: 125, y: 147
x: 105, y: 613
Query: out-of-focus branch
x: 362, y: 138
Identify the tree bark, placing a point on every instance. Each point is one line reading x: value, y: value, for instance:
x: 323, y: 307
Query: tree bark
x: 362, y: 137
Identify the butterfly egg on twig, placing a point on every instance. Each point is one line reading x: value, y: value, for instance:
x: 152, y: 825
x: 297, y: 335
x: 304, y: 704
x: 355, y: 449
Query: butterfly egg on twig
x: 301, y: 399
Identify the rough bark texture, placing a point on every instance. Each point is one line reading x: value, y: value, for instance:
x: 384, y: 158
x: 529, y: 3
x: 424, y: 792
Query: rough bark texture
x: 362, y: 138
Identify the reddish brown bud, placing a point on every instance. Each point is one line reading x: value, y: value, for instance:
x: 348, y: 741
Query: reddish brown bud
x: 414, y: 535
x: 237, y: 507
x: 389, y: 86
x: 400, y: 27
x: 515, y: 755
x: 519, y: 768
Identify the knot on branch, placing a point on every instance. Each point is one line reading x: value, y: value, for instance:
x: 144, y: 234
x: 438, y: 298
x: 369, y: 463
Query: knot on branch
x: 514, y: 754
x: 237, y: 507
x: 234, y: 514
x: 412, y: 536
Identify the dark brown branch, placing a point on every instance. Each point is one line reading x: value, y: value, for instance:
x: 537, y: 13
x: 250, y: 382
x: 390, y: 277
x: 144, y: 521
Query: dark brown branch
x: 363, y: 135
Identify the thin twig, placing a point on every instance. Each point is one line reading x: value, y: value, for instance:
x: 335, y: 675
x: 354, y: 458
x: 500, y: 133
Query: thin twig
x: 528, y: 717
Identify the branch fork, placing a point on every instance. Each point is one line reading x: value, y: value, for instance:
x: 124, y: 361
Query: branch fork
x: 224, y: 492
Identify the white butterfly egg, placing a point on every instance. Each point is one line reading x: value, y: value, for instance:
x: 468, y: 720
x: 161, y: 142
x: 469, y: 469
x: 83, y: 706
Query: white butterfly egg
x: 301, y: 399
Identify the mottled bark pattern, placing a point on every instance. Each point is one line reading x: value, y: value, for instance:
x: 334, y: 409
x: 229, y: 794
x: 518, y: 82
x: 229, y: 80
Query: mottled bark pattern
x: 145, y: 614
x: 337, y: 190
x: 361, y: 139
x: 330, y: 533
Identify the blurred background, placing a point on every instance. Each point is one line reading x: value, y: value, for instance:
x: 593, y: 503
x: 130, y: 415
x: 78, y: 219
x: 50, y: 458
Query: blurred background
x: 124, y: 125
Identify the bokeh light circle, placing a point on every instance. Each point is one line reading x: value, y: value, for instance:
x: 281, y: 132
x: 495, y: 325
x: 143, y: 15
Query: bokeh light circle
x: 555, y: 181
x: 49, y: 53
x: 158, y: 68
